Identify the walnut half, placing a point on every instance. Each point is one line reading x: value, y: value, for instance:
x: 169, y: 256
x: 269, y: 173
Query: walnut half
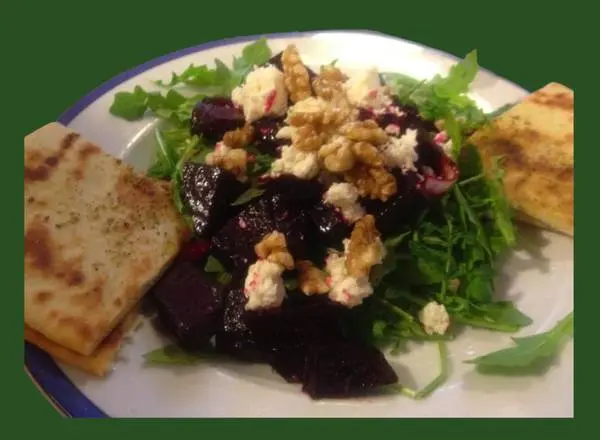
x: 273, y: 247
x: 311, y: 280
x: 364, y: 249
x: 295, y: 74
x: 240, y: 137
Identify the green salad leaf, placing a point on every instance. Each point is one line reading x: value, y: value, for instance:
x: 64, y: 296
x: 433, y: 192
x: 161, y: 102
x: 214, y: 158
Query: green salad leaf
x: 171, y: 354
x: 443, y: 97
x: 530, y: 349
x: 248, y: 195
x: 214, y: 267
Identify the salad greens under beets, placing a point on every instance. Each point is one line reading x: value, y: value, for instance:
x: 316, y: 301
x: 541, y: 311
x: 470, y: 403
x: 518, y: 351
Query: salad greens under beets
x: 450, y: 255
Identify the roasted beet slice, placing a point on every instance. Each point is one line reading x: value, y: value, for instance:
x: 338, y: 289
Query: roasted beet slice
x: 235, y: 338
x: 287, y: 333
x: 331, y: 225
x: 189, y: 305
x: 345, y: 368
x: 403, y: 209
x: 208, y: 192
x: 291, y: 188
x: 265, y: 131
x: 214, y: 116
x: 291, y: 220
x: 235, y: 241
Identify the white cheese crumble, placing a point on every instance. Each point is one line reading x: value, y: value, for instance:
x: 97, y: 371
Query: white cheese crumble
x: 262, y: 94
x: 443, y: 141
x: 264, y: 286
x: 344, y: 288
x: 304, y: 165
x: 364, y: 89
x: 435, y: 318
x: 344, y: 196
x: 400, y: 152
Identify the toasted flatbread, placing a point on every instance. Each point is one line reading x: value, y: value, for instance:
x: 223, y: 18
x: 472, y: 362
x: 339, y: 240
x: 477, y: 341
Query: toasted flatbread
x: 97, y: 234
x: 100, y: 362
x: 536, y: 140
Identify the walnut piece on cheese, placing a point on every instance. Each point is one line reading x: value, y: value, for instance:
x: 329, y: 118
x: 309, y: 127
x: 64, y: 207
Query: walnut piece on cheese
x: 329, y: 83
x: 230, y: 159
x: 295, y: 74
x: 273, y: 247
x: 373, y: 182
x: 365, y: 248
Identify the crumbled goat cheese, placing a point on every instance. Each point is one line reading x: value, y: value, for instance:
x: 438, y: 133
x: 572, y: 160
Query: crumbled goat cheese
x: 400, y: 152
x: 434, y: 318
x: 364, y: 89
x: 443, y: 141
x: 264, y: 286
x: 304, y: 165
x: 262, y: 94
x: 344, y: 196
x: 344, y: 288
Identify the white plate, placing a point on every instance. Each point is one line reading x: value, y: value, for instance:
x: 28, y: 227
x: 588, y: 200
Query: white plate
x: 540, y: 283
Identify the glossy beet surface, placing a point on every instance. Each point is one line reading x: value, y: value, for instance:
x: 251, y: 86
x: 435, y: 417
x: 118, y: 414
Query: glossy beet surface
x: 208, y: 193
x: 265, y: 131
x: 343, y: 368
x: 235, y: 241
x: 235, y: 338
x: 274, y: 211
x: 189, y: 305
x: 331, y: 226
x: 213, y: 117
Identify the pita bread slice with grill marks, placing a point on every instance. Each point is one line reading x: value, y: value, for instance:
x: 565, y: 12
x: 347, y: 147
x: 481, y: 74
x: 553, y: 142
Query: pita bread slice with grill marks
x: 100, y: 362
x: 536, y: 140
x: 96, y: 236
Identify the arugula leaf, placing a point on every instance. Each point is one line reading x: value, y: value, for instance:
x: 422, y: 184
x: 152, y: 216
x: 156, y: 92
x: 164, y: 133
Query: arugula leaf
x: 130, y: 105
x: 443, y: 97
x: 500, y: 316
x: 213, y: 265
x: 250, y: 194
x: 257, y: 52
x: 171, y: 354
x: 530, y: 349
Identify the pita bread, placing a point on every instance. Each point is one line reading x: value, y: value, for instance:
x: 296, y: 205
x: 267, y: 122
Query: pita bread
x: 536, y: 139
x: 96, y: 236
x: 100, y: 361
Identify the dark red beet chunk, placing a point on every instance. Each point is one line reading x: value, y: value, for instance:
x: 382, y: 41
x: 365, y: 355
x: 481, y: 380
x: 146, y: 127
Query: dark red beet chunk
x: 331, y: 225
x: 265, y: 130
x: 213, y: 117
x: 344, y: 369
x: 292, y: 221
x: 235, y: 338
x: 208, y: 193
x: 292, y: 189
x: 189, y: 305
x: 287, y: 333
x: 403, y: 208
x: 235, y: 241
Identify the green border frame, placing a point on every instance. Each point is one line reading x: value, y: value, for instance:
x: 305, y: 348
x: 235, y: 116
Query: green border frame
x: 58, y: 51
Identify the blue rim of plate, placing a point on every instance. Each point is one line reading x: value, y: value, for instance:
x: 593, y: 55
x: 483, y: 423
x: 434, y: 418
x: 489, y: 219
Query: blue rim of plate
x: 44, y: 371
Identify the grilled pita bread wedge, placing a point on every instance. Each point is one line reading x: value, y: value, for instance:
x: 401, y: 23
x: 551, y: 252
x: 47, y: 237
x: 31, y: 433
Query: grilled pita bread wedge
x: 535, y: 138
x: 97, y: 234
x: 100, y: 362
